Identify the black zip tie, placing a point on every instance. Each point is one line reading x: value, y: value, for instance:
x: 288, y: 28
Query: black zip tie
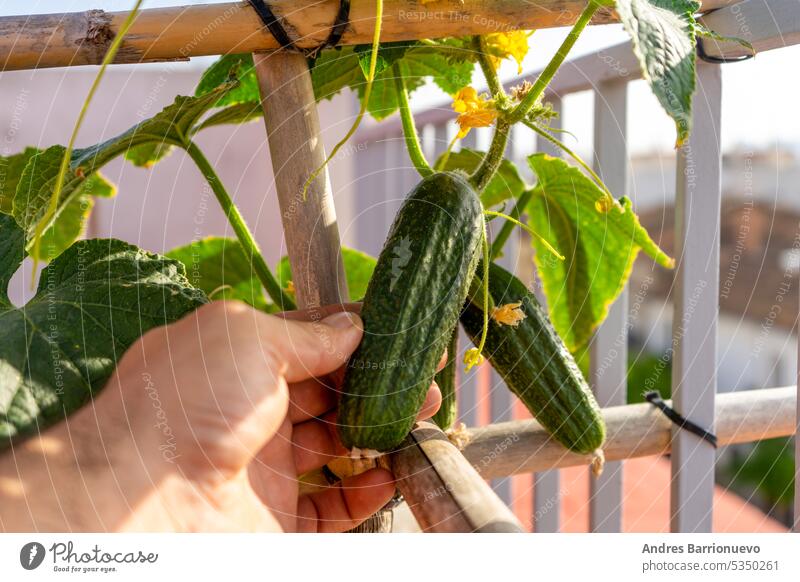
x: 704, y: 56
x: 340, y: 25
x: 272, y: 23
x: 277, y: 30
x: 655, y: 399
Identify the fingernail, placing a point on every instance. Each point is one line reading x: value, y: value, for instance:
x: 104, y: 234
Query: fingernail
x: 343, y: 320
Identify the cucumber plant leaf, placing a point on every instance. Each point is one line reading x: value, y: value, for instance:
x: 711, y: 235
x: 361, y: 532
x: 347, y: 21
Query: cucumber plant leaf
x: 358, y: 268
x: 150, y: 140
x: 337, y: 69
x: 506, y: 183
x: 600, y: 247
x: 11, y: 168
x: 663, y: 38
x: 220, y: 268
x: 92, y: 303
x: 239, y: 67
x: 71, y: 222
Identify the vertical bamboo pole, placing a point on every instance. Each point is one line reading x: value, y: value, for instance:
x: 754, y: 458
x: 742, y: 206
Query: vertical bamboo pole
x: 310, y: 229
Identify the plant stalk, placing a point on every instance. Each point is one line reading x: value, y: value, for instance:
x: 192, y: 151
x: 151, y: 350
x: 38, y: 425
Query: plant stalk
x: 492, y: 80
x: 243, y: 233
x: 529, y: 101
x: 480, y: 179
x: 409, y: 128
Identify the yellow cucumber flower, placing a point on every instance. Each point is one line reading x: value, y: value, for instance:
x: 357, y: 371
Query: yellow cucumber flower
x: 472, y: 357
x: 475, y: 110
x: 502, y: 45
x: 508, y: 314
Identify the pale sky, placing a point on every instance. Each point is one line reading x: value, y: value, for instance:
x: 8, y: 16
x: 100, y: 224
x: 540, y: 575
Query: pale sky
x: 759, y: 103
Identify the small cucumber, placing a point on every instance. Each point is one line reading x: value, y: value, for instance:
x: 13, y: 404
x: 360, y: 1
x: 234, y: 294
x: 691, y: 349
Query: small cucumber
x: 537, y: 366
x: 410, y: 308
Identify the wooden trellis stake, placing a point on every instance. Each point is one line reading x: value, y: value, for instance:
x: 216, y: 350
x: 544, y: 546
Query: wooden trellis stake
x: 180, y: 32
x: 445, y: 492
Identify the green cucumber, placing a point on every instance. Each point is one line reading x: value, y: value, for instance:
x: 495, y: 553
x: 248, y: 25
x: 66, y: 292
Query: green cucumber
x: 445, y: 378
x: 537, y: 366
x: 411, y: 306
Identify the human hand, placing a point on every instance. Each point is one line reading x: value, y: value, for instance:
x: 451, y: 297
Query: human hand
x: 206, y: 425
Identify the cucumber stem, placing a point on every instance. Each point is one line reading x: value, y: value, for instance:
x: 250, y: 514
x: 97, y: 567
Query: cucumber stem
x: 500, y: 240
x: 529, y: 101
x: 409, y: 128
x: 373, y: 65
x: 52, y: 207
x: 243, y: 234
x: 497, y: 150
x: 491, y: 161
x: 489, y: 73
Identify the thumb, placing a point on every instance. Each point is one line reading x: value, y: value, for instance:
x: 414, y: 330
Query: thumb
x: 310, y: 349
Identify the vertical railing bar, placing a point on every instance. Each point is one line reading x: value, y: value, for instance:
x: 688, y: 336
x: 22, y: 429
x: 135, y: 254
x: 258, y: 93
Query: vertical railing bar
x: 609, y: 348
x: 796, y: 527
x: 547, y: 484
x: 696, y: 301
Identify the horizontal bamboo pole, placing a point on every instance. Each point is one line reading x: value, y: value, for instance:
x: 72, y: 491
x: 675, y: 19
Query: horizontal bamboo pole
x: 180, y: 32
x: 445, y: 493
x: 636, y: 430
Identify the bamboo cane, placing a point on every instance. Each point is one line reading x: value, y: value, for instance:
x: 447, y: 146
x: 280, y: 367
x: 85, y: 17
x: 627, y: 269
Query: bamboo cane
x: 636, y: 430
x: 180, y: 32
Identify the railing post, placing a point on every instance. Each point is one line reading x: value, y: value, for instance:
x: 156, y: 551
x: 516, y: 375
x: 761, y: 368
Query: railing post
x: 547, y: 484
x: 696, y: 305
x: 609, y: 348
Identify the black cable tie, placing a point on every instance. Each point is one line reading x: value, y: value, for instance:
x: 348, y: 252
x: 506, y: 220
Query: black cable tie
x: 272, y: 23
x: 704, y: 56
x: 277, y: 30
x: 655, y: 399
x: 340, y: 25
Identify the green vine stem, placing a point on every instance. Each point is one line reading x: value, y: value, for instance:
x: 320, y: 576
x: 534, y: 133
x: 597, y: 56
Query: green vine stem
x: 239, y: 226
x: 500, y: 240
x: 532, y: 97
x: 497, y: 149
x: 52, y: 207
x: 373, y: 65
x: 492, y: 80
x: 409, y: 128
x: 493, y: 157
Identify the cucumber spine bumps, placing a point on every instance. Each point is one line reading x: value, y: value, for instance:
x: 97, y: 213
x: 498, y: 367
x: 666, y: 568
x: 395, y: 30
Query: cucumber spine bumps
x: 537, y: 366
x: 410, y: 308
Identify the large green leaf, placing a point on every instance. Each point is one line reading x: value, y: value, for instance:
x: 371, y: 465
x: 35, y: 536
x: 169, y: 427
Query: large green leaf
x: 219, y: 266
x: 599, y: 247
x: 11, y: 168
x: 358, y: 268
x: 171, y: 127
x: 237, y: 67
x: 418, y: 64
x: 71, y: 222
x: 92, y: 303
x: 663, y: 38
x: 334, y: 70
x: 506, y: 183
